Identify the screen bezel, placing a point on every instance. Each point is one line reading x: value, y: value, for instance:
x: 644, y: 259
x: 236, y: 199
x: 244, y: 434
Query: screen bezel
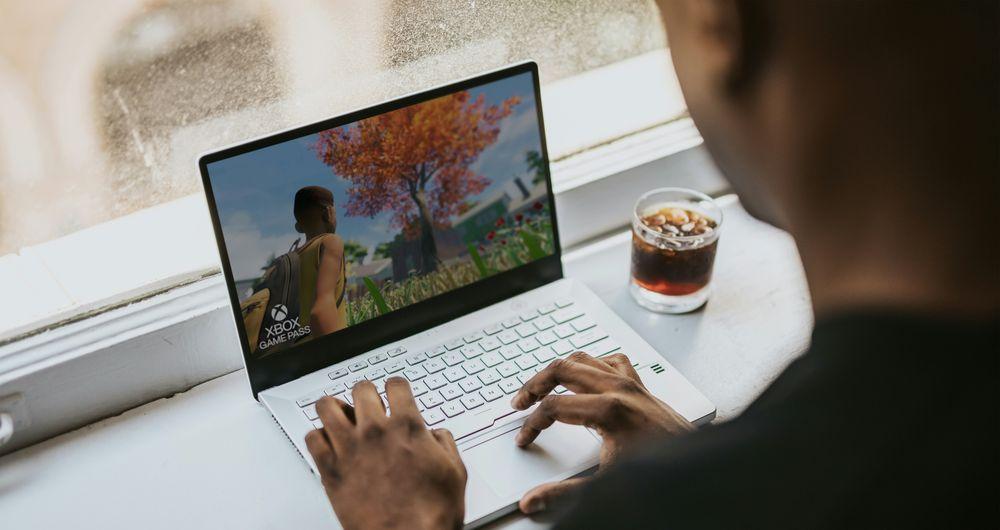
x: 324, y: 351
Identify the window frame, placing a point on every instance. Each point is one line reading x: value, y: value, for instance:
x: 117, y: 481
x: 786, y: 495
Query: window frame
x: 92, y: 361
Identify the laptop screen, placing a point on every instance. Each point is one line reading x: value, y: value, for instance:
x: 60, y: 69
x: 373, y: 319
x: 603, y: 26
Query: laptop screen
x: 334, y: 228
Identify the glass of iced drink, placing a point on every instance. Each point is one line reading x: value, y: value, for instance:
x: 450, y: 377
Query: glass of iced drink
x: 675, y: 233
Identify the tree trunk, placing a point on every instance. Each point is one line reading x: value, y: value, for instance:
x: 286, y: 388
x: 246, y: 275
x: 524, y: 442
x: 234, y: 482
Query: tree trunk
x: 428, y: 247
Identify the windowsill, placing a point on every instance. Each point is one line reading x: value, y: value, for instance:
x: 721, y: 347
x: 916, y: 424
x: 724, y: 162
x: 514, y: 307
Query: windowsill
x: 214, y: 438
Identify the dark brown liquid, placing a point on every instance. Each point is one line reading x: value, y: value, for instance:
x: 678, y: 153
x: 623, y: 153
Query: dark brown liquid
x: 673, y: 272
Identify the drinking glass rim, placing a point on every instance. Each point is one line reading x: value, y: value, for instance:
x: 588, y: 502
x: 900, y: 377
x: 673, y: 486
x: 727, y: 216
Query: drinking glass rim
x: 697, y: 194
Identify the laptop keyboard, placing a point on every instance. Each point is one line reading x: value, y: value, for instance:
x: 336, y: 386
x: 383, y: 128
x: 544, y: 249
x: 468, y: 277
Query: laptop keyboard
x: 463, y: 384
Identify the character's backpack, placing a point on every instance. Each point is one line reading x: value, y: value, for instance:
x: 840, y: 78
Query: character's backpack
x: 274, y: 300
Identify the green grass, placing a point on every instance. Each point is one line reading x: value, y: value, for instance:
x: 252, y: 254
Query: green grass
x: 510, y: 247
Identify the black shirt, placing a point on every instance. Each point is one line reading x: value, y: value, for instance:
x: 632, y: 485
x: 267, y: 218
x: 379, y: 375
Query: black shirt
x: 886, y: 422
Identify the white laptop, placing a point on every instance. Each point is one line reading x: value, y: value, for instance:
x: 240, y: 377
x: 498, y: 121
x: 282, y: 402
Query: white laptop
x: 450, y: 275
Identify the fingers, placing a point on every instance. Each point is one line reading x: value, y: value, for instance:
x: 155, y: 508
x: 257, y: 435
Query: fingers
x: 541, y: 497
x: 583, y: 409
x: 337, y: 420
x: 579, y: 372
x: 622, y: 364
x: 368, y: 406
x: 322, y: 452
x: 445, y: 438
x: 401, y: 402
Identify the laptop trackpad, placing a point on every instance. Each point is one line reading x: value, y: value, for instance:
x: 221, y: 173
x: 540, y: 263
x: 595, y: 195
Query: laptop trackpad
x: 561, y: 451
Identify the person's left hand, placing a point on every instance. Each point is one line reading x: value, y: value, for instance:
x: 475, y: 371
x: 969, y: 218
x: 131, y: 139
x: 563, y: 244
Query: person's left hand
x: 384, y: 471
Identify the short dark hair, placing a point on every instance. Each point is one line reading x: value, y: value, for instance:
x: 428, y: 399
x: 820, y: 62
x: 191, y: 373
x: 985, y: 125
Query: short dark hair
x: 310, y: 196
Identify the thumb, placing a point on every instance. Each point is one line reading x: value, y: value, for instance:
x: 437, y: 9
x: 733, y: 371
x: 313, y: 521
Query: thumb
x: 541, y: 497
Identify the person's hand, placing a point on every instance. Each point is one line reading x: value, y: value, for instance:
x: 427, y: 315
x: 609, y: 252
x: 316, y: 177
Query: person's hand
x: 609, y: 398
x: 387, y: 471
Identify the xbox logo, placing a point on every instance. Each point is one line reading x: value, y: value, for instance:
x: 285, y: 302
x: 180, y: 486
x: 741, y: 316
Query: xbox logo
x: 279, y: 312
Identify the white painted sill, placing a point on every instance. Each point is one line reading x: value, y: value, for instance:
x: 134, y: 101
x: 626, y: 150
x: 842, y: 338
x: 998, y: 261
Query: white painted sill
x: 165, y: 330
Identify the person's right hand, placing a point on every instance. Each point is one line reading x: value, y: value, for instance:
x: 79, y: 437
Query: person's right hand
x: 608, y: 397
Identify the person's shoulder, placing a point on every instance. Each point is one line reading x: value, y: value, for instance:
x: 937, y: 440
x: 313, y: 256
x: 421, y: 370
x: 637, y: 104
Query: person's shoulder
x: 332, y: 242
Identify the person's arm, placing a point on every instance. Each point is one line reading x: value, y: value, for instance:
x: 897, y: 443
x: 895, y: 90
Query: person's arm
x: 323, y: 317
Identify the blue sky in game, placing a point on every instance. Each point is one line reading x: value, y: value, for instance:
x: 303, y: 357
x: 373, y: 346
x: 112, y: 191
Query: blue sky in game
x: 254, y: 191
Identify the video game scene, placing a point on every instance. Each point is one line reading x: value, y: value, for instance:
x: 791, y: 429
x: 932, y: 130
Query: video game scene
x: 339, y: 227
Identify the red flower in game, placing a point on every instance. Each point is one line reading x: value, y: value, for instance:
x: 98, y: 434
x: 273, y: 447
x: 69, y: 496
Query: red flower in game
x: 503, y: 241
x: 491, y: 235
x: 538, y: 205
x: 482, y: 248
x: 519, y: 217
x: 500, y: 222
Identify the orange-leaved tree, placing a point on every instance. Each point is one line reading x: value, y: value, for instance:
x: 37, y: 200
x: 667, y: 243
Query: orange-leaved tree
x: 416, y: 162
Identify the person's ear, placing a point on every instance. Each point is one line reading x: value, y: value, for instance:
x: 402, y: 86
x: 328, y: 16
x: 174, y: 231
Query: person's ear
x: 298, y: 228
x: 730, y: 36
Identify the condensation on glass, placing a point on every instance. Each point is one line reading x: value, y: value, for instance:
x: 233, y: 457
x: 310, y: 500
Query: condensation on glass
x: 106, y: 104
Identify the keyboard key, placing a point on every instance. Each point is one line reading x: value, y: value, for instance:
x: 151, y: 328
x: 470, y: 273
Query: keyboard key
x: 470, y: 385
x: 472, y: 401
x: 310, y: 412
x: 511, y: 322
x: 545, y: 355
x: 454, y: 374
x: 583, y: 324
x: 435, y: 382
x: 562, y: 347
x: 508, y: 336
x: 508, y: 369
x: 434, y: 366
x: 338, y: 373
x: 440, y: 350
x: 394, y: 367
x: 471, y: 351
x: 529, y: 315
x: 454, y: 344
x: 358, y: 366
x: 602, y: 348
x: 451, y: 391
x: 491, y: 393
x: 546, y: 338
x: 563, y: 330
x: 334, y: 389
x: 490, y: 343
x: 375, y: 374
x: 417, y: 359
x: 510, y: 352
x: 564, y: 302
x: 379, y: 385
x: 560, y: 389
x: 375, y: 359
x: 587, y: 337
x: 526, y: 362
x: 452, y: 409
x: 433, y: 417
x: 563, y: 316
x: 474, y: 366
x: 528, y: 345
x: 397, y: 351
x: 509, y: 386
x: 309, y: 398
x: 418, y: 389
x: 348, y: 398
x: 317, y: 424
x: 489, y: 377
x: 547, y: 308
x: 431, y: 400
x: 492, y: 359
x: 544, y: 323
x: 453, y: 357
x: 525, y: 330
x: 473, y: 337
x: 524, y: 377
x: 414, y: 374
x: 349, y: 384
x: 493, y: 330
